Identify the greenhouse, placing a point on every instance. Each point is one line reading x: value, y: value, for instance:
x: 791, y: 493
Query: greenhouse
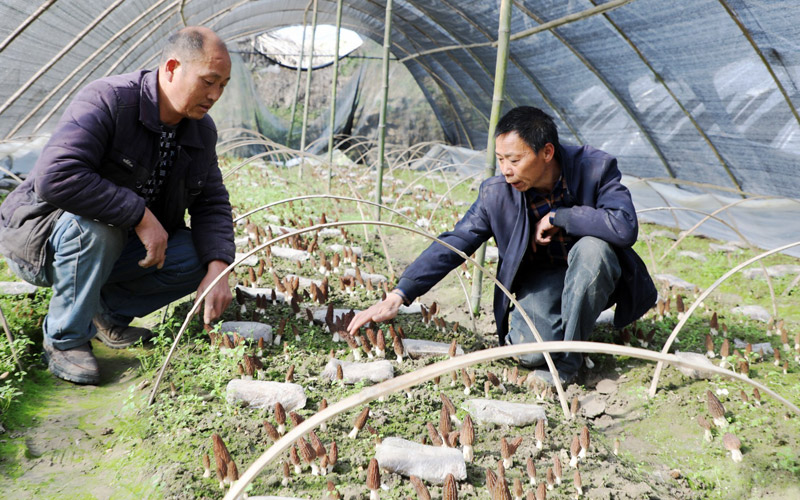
x: 343, y: 297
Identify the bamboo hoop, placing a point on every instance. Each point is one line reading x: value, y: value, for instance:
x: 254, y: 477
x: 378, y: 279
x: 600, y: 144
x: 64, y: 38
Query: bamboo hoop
x: 10, y: 340
x: 696, y: 303
x: 443, y: 367
x: 548, y: 359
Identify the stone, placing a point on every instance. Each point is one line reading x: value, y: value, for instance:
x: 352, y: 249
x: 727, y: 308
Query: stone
x: 416, y: 348
x: 778, y: 271
x: 374, y: 278
x: 674, y: 281
x: 429, y: 463
x: 606, y: 317
x: 663, y: 233
x: 251, y: 261
x: 764, y: 347
x: 698, y: 359
x: 357, y: 250
x: 592, y: 406
x: 241, y: 241
x: 491, y: 411
x: 726, y: 248
x: 374, y: 371
x: 248, y: 329
x: 606, y: 386
x: 492, y: 254
x: 17, y: 288
x: 414, y: 308
x: 753, y: 312
x: 290, y: 254
x: 264, y: 394
x: 330, y: 232
x: 693, y: 255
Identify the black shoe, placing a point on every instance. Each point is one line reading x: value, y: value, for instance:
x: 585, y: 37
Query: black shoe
x: 119, y: 337
x: 76, y: 365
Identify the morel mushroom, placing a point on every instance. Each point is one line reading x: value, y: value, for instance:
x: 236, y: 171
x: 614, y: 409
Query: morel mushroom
x: 449, y: 490
x: 584, y: 440
x: 578, y: 483
x: 709, y: 346
x: 616, y: 446
x: 222, y: 457
x: 444, y: 422
x: 706, y: 425
x: 467, y: 438
x: 539, y: 434
x: 507, y: 450
x: 280, y: 417
x: 733, y: 445
x: 716, y: 410
x: 467, y: 382
x: 557, y: 470
x: 333, y: 456
x: 518, y: 489
x: 295, y: 458
x: 361, y: 419
x: 434, y: 435
x: 551, y: 478
x: 421, y: 489
x: 574, y: 407
x: 530, y: 468
x: 206, y: 464
x: 541, y: 492
x: 285, y: 480
x: 496, y: 381
x: 373, y: 479
x: 233, y: 473
x: 309, y: 455
x: 397, y: 343
x: 574, y: 451
x: 322, y: 405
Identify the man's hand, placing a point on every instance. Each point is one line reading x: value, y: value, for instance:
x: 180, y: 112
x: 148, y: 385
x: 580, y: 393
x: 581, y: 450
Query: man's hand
x: 219, y: 297
x: 382, y: 311
x: 544, y: 231
x: 154, y: 238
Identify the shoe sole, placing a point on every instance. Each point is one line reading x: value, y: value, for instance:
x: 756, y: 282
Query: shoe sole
x: 69, y: 377
x: 119, y: 344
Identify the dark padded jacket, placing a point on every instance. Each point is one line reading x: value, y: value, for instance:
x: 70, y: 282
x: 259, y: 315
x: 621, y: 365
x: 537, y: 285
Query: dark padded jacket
x: 101, y: 153
x: 595, y: 204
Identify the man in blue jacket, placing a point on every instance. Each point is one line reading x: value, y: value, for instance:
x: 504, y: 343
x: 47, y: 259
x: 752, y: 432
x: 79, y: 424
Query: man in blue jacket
x: 100, y: 219
x: 564, y: 226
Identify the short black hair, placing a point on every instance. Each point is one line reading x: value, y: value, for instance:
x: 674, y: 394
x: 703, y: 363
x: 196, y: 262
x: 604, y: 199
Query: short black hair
x: 533, y: 126
x: 187, y: 43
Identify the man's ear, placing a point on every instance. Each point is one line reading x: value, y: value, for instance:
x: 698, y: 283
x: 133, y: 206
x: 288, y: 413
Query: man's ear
x: 549, y: 151
x: 169, y: 68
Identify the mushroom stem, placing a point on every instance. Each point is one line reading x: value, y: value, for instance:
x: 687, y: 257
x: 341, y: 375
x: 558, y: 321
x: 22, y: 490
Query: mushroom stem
x: 468, y: 453
x: 736, y: 455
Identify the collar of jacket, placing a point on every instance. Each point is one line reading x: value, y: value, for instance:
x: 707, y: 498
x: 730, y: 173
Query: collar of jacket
x: 188, y: 133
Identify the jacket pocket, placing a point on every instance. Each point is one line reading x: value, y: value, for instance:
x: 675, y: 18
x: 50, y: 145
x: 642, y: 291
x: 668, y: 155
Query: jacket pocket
x: 124, y: 170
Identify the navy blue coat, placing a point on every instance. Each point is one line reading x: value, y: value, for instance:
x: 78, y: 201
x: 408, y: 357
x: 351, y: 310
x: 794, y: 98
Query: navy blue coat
x: 595, y: 204
x: 102, y: 151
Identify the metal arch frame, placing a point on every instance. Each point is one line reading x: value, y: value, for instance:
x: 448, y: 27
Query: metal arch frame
x: 674, y: 97
x: 760, y: 54
x: 622, y: 102
x: 24, y: 24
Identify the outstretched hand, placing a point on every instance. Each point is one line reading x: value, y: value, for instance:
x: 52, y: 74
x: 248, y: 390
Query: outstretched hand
x: 219, y: 297
x: 381, y: 311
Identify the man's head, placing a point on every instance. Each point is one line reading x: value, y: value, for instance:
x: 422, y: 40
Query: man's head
x: 526, y: 146
x: 194, y: 69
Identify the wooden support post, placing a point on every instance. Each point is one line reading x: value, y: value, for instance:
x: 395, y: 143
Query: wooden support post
x: 387, y: 43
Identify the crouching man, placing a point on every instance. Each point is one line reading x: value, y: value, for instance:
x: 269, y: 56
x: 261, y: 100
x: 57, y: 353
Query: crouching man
x: 100, y: 218
x: 564, y: 226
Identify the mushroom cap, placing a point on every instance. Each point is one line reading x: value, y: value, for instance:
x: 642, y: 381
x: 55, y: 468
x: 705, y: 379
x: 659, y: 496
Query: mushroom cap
x: 584, y: 439
x: 444, y: 421
x: 530, y: 467
x: 493, y: 379
x: 233, y: 472
x: 577, y: 479
x: 541, y: 492
x: 433, y: 434
x: 550, y: 476
x: 465, y: 377
x: 297, y: 419
x: 575, y: 448
x: 715, y: 407
x: 306, y: 450
x: 373, y: 475
x: 540, y: 429
x: 333, y: 453
x: 293, y: 456
x: 501, y: 489
x: 285, y: 469
x: 361, y: 419
x: 324, y: 403
x: 339, y: 372
x: 467, y: 434
x: 447, y: 403
x: 518, y: 487
x: 449, y: 490
x: 575, y: 406
x: 419, y: 486
x: 221, y: 455
x: 280, y: 413
x: 290, y: 374
x: 505, y: 451
x: 731, y: 442
x: 491, y: 479
x: 272, y: 432
x: 398, y: 345
x: 702, y: 422
x: 557, y: 470
x: 319, y: 448
x: 513, y: 445
x: 453, y: 346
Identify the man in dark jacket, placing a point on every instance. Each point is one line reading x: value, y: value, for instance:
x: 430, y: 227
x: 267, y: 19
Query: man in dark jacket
x: 100, y: 218
x: 564, y: 226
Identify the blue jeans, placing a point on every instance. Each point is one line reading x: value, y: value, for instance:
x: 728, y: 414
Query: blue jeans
x: 564, y: 302
x: 93, y: 269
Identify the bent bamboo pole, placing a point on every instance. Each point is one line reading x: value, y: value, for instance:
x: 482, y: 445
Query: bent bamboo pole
x: 548, y: 359
x: 700, y: 299
x: 443, y: 367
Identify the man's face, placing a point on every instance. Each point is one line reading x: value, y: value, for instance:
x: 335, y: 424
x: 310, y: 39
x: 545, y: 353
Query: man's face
x: 521, y: 167
x: 195, y: 85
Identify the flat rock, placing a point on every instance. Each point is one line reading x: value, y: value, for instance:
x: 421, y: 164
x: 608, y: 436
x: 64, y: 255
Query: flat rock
x: 375, y: 278
x: 357, y: 250
x: 693, y: 255
x: 726, y: 248
x: 606, y: 386
x: 674, y: 281
x: 592, y: 406
x: 248, y: 329
x: 251, y: 261
x: 696, y: 358
x: 663, y: 233
x: 330, y: 232
x: 374, y: 371
x: 765, y: 348
x: 416, y: 348
x: 753, y: 312
x: 492, y: 411
x: 264, y: 394
x: 429, y: 463
x: 778, y: 271
x: 17, y: 288
x: 290, y: 254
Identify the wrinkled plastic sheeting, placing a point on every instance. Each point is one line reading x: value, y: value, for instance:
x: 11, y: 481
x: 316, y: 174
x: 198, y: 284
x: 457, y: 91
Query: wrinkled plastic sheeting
x: 264, y: 394
x: 429, y: 463
x: 352, y: 373
x: 492, y: 411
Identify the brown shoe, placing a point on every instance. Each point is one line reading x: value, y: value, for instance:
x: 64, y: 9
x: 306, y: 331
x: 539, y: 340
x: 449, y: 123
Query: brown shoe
x: 76, y: 365
x: 119, y: 337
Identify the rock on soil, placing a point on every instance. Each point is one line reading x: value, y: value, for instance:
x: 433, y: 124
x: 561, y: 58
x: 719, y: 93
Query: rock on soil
x: 290, y: 254
x: 765, y: 348
x: 753, y: 312
x: 375, y: 371
x: 248, y: 329
x: 695, y: 358
x: 264, y: 394
x: 606, y: 386
x: 693, y: 255
x: 778, y: 271
x: 592, y: 406
x: 674, y: 281
x: 16, y: 288
x: 338, y: 248
x: 374, y: 278
x: 490, y: 411
x: 429, y: 463
x: 416, y: 348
